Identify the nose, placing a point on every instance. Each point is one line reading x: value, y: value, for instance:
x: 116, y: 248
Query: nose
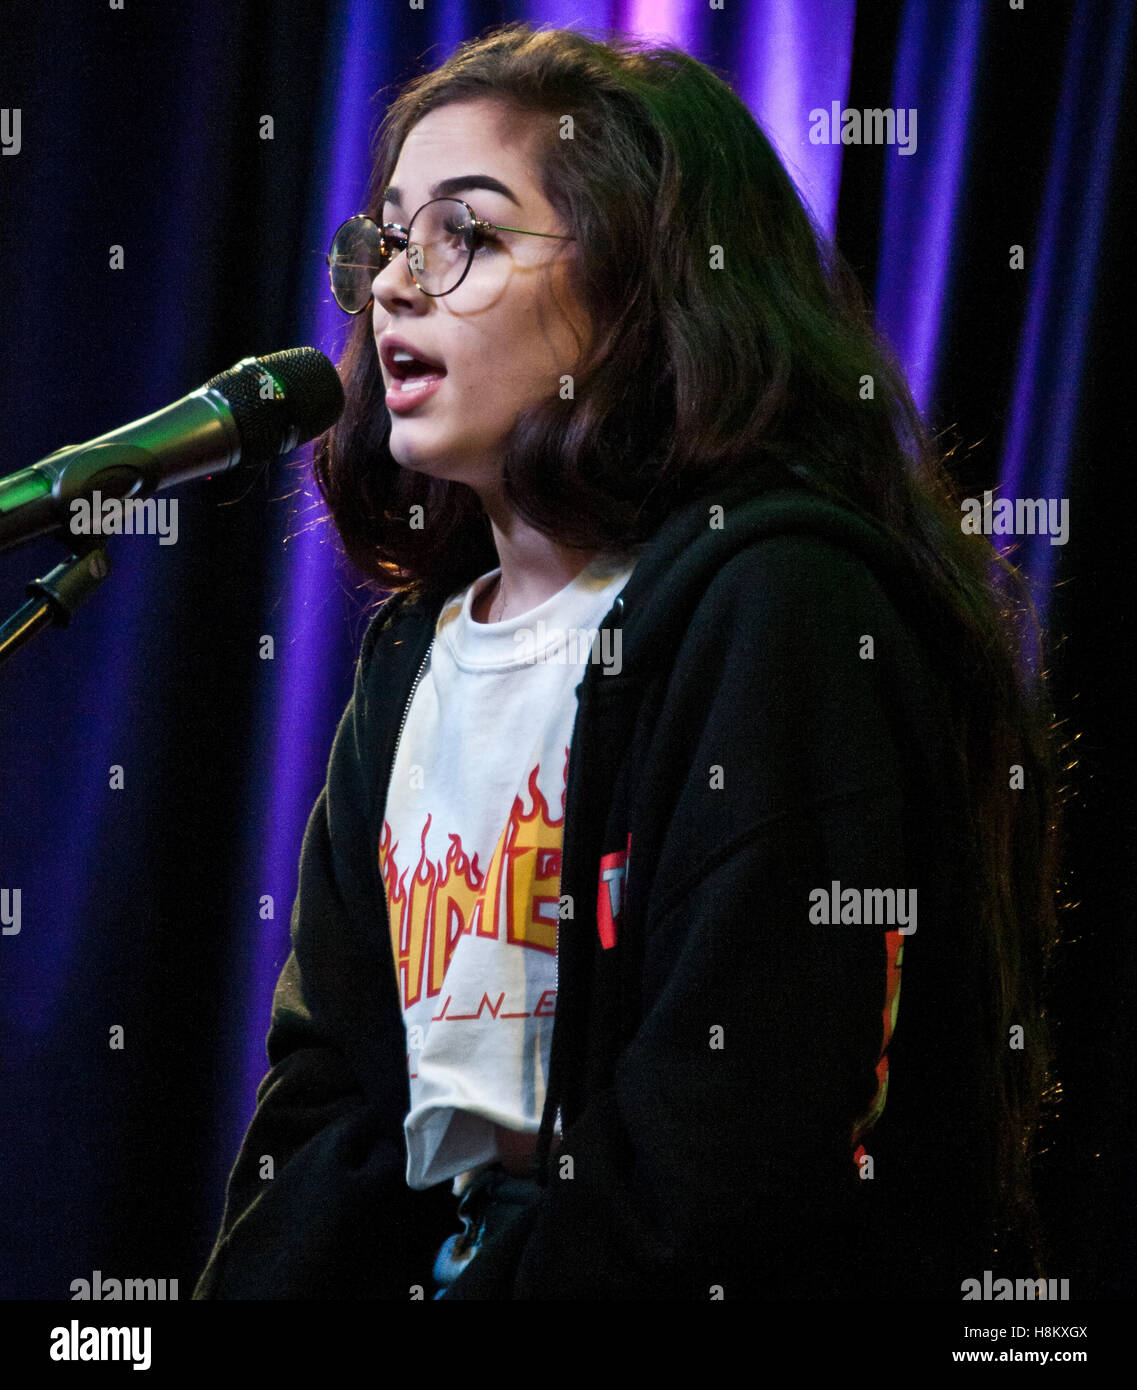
x: 394, y: 286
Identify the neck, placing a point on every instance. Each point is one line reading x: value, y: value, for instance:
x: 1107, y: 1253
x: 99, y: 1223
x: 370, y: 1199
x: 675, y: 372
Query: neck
x: 533, y: 567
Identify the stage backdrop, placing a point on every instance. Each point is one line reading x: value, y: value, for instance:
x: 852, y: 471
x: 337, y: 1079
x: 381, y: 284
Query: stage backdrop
x: 170, y: 177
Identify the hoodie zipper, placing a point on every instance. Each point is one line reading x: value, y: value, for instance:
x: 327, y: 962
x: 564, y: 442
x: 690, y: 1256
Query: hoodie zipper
x: 619, y: 608
x: 407, y: 707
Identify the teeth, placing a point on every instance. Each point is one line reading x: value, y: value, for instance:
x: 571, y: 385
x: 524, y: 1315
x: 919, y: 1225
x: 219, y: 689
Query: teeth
x: 399, y: 355
x: 412, y: 383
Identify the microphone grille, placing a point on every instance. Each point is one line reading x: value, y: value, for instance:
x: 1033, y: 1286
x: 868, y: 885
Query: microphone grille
x: 280, y: 401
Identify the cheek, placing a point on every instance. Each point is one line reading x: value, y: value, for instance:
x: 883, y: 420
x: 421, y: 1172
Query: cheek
x: 516, y: 359
x: 496, y: 373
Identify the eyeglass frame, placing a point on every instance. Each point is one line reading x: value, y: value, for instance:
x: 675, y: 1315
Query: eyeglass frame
x: 477, y: 224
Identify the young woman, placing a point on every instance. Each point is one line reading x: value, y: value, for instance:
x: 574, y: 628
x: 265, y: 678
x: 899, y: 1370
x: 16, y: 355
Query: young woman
x: 692, y: 720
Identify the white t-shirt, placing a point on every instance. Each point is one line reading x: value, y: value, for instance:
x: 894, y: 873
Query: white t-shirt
x: 471, y: 858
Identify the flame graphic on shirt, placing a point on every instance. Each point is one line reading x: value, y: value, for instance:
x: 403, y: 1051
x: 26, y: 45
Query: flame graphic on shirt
x: 516, y: 900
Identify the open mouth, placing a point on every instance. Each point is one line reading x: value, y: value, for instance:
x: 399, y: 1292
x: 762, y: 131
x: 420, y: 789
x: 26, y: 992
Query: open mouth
x: 404, y: 365
x: 415, y: 383
x: 407, y: 370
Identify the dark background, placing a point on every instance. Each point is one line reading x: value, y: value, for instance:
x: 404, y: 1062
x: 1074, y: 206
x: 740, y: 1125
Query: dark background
x: 140, y: 906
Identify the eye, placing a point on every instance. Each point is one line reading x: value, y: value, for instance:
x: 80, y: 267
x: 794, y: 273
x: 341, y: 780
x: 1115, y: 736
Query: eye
x: 471, y: 236
x: 483, y: 241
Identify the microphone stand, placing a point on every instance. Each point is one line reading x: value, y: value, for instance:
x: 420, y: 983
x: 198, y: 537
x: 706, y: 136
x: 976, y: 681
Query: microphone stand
x: 55, y: 597
x: 30, y: 504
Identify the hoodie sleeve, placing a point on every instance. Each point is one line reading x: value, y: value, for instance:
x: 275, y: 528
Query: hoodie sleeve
x: 719, y: 1159
x: 316, y: 1205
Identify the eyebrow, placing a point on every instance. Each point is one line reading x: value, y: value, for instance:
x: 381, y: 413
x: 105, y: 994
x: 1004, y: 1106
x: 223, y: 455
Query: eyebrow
x: 446, y: 187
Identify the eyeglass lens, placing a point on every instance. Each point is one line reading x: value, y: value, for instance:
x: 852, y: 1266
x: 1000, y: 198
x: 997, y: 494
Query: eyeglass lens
x: 440, y: 244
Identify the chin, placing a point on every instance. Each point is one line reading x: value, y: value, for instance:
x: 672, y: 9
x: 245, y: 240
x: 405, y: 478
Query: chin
x: 410, y: 453
x: 451, y: 466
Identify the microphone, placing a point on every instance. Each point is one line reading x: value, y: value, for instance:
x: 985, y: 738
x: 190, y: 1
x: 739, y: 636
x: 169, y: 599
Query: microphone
x: 261, y: 408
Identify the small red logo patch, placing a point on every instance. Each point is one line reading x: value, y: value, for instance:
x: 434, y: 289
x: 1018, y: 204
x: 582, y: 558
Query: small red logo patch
x: 610, y: 894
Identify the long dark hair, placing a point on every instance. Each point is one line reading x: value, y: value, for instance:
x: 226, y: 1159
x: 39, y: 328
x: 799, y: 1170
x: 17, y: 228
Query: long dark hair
x: 731, y: 342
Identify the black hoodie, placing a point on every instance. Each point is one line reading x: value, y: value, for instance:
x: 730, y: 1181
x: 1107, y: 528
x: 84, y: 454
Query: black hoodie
x: 782, y: 723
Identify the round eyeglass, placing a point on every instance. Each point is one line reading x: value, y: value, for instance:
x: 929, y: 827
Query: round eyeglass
x: 441, y: 242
